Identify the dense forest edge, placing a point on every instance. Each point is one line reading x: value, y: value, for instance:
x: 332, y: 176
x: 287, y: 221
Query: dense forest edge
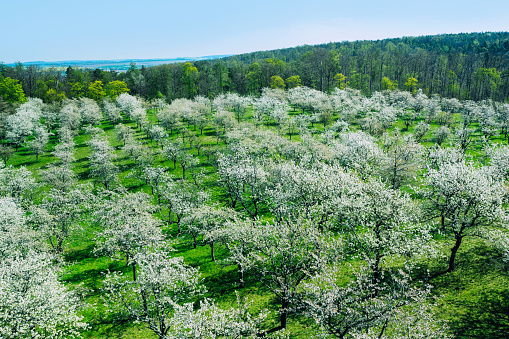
x: 464, y: 66
x: 295, y: 208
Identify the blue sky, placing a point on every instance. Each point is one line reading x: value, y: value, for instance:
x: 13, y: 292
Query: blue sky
x: 52, y: 30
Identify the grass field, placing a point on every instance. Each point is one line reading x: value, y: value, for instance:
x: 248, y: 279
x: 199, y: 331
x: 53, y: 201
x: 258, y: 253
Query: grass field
x: 474, y: 299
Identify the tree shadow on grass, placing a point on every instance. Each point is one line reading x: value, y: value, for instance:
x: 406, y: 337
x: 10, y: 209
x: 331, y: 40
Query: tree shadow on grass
x: 474, y: 297
x: 80, y: 255
x: 486, y: 317
x: 87, y: 270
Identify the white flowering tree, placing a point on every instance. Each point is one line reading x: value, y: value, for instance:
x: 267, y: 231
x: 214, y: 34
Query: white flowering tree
x: 161, y: 284
x: 17, y: 183
x: 420, y: 130
x: 90, y: 111
x: 207, y: 221
x: 223, y: 121
x: 382, y: 223
x: 128, y: 227
x: 469, y: 200
x: 392, y: 308
x: 359, y: 151
x: 158, y: 134
x: 128, y: 104
x: 404, y: 157
x: 499, y: 160
x: 210, y: 321
x: 111, y: 111
x: 463, y: 138
x: 170, y: 118
x: 244, y: 179
x: 34, y: 303
x: 316, y: 192
x: 281, y: 256
x: 69, y: 116
x: 238, y: 104
x: 19, y: 128
x: 123, y: 133
x: 15, y: 235
x: 58, y: 216
x: 441, y: 134
x: 41, y: 138
x: 102, y: 168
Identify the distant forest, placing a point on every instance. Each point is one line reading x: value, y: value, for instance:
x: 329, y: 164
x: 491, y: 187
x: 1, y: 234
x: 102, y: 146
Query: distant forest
x: 465, y: 66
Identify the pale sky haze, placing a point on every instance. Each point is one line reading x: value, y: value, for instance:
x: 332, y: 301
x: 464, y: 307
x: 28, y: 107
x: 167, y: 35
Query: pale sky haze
x: 54, y: 30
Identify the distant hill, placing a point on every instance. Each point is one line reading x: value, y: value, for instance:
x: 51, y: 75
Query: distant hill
x: 115, y: 65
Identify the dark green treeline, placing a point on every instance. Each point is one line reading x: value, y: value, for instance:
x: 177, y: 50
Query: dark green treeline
x: 466, y: 66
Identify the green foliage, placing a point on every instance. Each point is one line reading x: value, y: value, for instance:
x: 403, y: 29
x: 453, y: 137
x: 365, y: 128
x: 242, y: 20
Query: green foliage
x: 96, y: 91
x: 340, y: 81
x: 11, y: 90
x: 277, y: 82
x: 189, y: 78
x: 293, y: 81
x: 387, y: 84
x: 115, y: 88
x: 411, y: 85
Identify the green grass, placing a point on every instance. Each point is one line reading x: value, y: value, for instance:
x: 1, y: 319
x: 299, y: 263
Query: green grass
x: 474, y: 298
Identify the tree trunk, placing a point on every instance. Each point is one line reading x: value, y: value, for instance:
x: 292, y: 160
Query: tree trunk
x: 284, y: 312
x: 454, y: 250
x: 241, y: 276
x: 212, y: 252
